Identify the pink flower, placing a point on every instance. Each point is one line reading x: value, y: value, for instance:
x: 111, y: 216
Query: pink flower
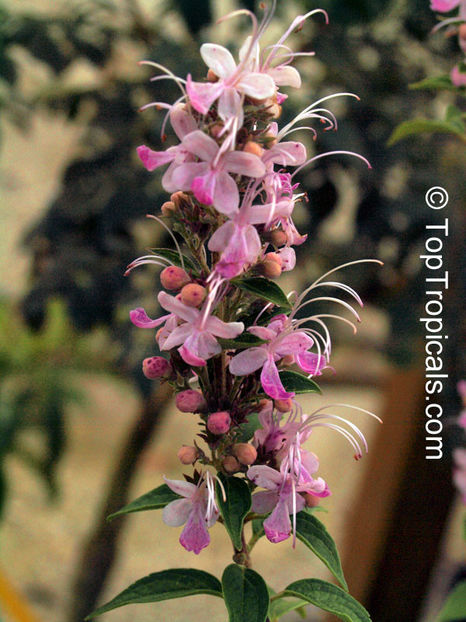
x: 183, y: 123
x: 281, y: 498
x: 457, y: 76
x: 210, y: 179
x: 282, y: 341
x: 197, y: 509
x: 197, y: 333
x: 444, y: 6
x: 238, y: 240
x: 234, y: 80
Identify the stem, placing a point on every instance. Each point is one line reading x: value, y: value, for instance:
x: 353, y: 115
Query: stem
x: 241, y: 557
x: 277, y: 596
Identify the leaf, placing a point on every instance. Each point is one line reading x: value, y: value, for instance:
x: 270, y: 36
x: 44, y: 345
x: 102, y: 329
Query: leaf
x: 434, y: 83
x: 235, y: 507
x: 242, y: 342
x: 298, y: 383
x: 174, y: 257
x: 316, y: 537
x: 422, y: 126
x: 262, y: 287
x: 164, y: 585
x: 245, y: 594
x: 279, y: 607
x: 455, y: 606
x: 245, y: 431
x: 153, y: 500
x: 330, y: 598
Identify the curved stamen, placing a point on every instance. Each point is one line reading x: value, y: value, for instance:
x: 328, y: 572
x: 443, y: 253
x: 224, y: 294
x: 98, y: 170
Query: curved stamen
x: 329, y: 153
x: 179, y: 81
x: 172, y: 236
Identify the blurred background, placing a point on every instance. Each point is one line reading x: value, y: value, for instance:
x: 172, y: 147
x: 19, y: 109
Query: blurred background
x: 82, y: 431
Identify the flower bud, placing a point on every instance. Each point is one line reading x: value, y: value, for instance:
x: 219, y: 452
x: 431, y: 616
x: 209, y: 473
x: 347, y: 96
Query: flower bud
x: 246, y: 453
x: 254, y: 148
x: 193, y: 294
x: 168, y: 208
x: 288, y: 359
x: 311, y: 500
x: 271, y: 266
x: 278, y: 237
x: 178, y: 198
x: 212, y: 76
x: 462, y: 37
x: 219, y: 422
x: 264, y: 403
x: 156, y: 367
x: 231, y: 464
x: 174, y: 277
x: 187, y: 454
x: 216, y: 129
x: 284, y: 406
x: 190, y: 401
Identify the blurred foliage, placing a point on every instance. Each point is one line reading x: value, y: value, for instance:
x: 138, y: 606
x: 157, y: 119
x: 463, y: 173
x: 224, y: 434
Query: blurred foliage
x: 36, y: 388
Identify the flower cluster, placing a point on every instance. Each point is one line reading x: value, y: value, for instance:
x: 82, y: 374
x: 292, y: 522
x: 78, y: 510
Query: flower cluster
x: 239, y: 349
x: 456, y: 24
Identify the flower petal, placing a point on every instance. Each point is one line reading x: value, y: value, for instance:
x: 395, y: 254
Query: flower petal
x: 265, y: 477
x: 201, y: 145
x: 264, y: 501
x: 184, y: 174
x: 230, y: 106
x: 176, y: 513
x: 203, y: 94
x: 262, y: 332
x: 271, y: 382
x: 185, y: 489
x: 285, y: 75
x: 289, y: 153
x: 225, y: 330
x: 248, y: 361
x: 256, y: 85
x: 219, y: 240
x: 202, y: 344
x: 195, y: 535
x: 154, y: 159
x: 277, y: 526
x: 177, y: 336
x: 226, y: 194
x: 243, y: 163
x: 140, y: 319
x: 172, y: 304
x: 190, y: 358
x: 311, y: 363
x: 293, y: 344
x: 204, y: 186
x: 182, y: 122
x: 219, y: 59
x: 443, y: 6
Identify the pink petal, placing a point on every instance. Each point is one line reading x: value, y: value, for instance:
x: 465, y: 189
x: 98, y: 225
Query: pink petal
x: 457, y: 76
x: 203, y: 187
x: 288, y: 153
x: 285, y: 75
x: 293, y: 344
x: 176, y: 513
x: 248, y: 361
x: 219, y: 59
x: 226, y: 194
x: 202, y: 344
x: 220, y: 239
x: 277, y: 526
x: 253, y: 244
x: 177, y: 336
x: 319, y: 488
x: 265, y: 477
x: 182, y: 122
x: 311, y: 363
x: 262, y: 332
x: 225, y: 330
x: 229, y: 270
x: 271, y: 382
x: 288, y: 257
x: 443, y: 6
x: 230, y: 106
x: 185, y: 489
x: 140, y: 319
x: 243, y: 163
x: 154, y: 159
x: 184, y: 174
x: 172, y: 304
x: 256, y: 85
x: 203, y: 94
x: 190, y: 358
x: 201, y: 145
x: 195, y: 536
x: 264, y: 501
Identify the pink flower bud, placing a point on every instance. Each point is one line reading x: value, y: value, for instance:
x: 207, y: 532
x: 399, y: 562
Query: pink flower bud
x: 284, y: 406
x: 271, y: 266
x: 168, y: 208
x: 231, y: 464
x: 278, y: 237
x: 190, y: 401
x: 219, y: 422
x: 288, y: 359
x: 245, y: 453
x: 187, y: 454
x: 193, y: 294
x: 462, y: 37
x: 212, y: 76
x: 156, y: 367
x: 311, y: 500
x: 174, y: 277
x: 253, y: 147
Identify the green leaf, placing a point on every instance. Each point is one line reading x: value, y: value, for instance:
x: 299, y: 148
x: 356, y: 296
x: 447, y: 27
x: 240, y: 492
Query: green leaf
x: 235, y: 507
x: 316, y: 537
x: 245, y: 594
x: 153, y: 500
x: 422, y: 126
x: 246, y: 340
x: 279, y: 607
x: 262, y: 287
x: 298, y: 383
x: 174, y: 257
x: 164, y: 585
x: 246, y: 430
x: 434, y: 83
x: 330, y: 598
x: 455, y: 607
